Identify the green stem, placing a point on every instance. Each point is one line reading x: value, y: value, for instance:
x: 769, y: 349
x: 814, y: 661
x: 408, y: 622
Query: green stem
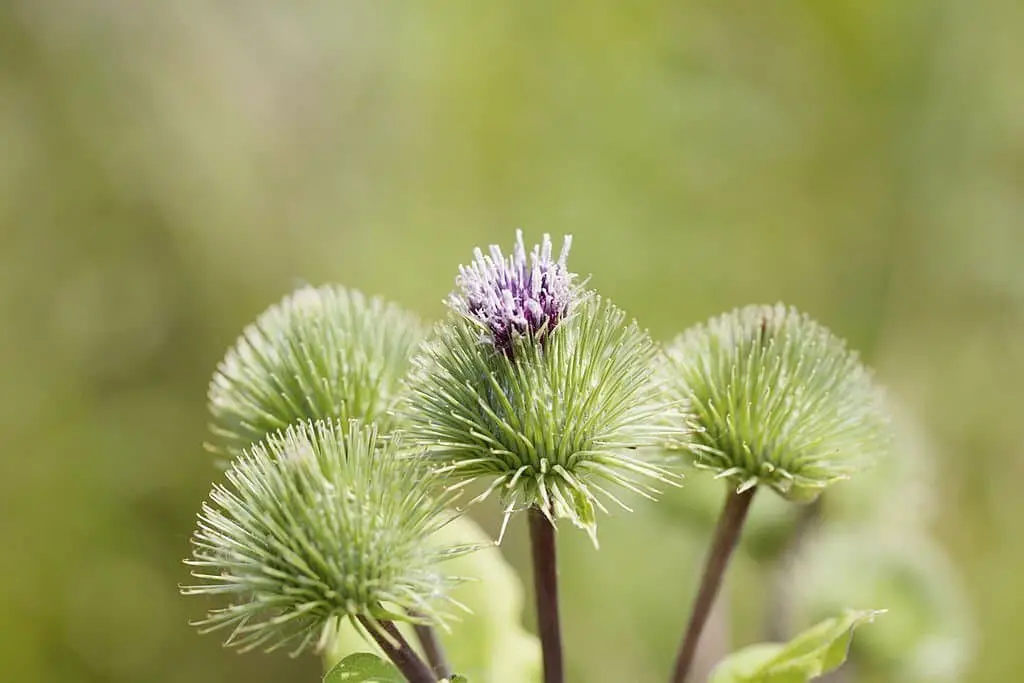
x: 545, y: 582
x: 727, y: 534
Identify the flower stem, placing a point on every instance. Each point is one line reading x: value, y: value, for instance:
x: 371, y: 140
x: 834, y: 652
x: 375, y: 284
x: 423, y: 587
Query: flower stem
x: 434, y: 651
x: 398, y: 650
x: 545, y: 583
x: 727, y: 533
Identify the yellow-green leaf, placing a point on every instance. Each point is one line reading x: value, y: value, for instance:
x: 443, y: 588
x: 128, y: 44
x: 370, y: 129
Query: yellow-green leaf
x: 815, y: 652
x: 363, y: 667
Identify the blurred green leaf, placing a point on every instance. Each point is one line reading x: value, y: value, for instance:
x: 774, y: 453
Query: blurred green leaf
x: 745, y: 664
x: 928, y: 635
x: 816, y: 651
x: 363, y: 667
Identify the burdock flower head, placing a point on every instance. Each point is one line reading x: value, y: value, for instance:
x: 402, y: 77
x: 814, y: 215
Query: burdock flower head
x: 539, y: 388
x: 321, y: 353
x: 319, y: 523
x: 779, y: 401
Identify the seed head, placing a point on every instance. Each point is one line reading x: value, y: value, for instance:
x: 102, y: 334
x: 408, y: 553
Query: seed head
x: 779, y: 400
x: 321, y: 353
x: 316, y: 524
x: 516, y: 296
x: 549, y: 416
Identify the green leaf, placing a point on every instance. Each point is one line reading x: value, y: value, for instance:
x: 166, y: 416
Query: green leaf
x: 363, y: 667
x: 815, y: 652
x: 927, y: 635
x: 457, y: 679
x: 744, y: 665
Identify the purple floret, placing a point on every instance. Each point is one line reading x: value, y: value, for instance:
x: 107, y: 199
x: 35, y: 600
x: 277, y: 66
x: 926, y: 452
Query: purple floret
x: 515, y: 296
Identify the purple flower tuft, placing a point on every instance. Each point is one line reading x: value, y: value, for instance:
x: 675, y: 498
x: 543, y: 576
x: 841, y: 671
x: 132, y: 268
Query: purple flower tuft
x: 516, y: 296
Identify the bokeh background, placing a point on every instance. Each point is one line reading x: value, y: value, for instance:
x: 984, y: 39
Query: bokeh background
x: 167, y: 170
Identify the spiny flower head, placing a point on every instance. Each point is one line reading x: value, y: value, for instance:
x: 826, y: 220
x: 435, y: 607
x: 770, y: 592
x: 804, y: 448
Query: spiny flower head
x: 319, y: 523
x: 516, y: 296
x: 550, y: 422
x: 779, y: 401
x: 321, y: 353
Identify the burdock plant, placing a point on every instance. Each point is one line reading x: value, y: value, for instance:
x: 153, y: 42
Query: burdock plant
x: 322, y: 352
x: 540, y: 388
x: 322, y: 523
x: 543, y: 391
x: 350, y: 432
x: 779, y: 402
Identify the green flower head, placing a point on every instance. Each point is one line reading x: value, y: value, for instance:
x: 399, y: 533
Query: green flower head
x: 317, y: 524
x: 779, y: 400
x: 538, y: 388
x: 321, y: 353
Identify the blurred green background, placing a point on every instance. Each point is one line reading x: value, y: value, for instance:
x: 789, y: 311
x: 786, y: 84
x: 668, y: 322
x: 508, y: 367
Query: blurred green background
x: 167, y: 170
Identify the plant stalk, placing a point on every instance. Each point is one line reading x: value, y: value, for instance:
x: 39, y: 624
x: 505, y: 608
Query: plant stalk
x: 545, y: 583
x: 398, y: 650
x: 727, y: 534
x: 434, y: 651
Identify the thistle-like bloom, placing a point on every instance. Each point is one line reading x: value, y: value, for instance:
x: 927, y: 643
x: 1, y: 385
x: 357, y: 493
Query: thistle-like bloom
x: 779, y: 401
x: 516, y: 297
x: 321, y: 353
x: 316, y: 524
x: 540, y: 389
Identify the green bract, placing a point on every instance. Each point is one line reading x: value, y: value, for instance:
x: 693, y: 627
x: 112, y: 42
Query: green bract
x: 320, y: 353
x: 547, y: 423
x: 779, y: 401
x: 321, y: 522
